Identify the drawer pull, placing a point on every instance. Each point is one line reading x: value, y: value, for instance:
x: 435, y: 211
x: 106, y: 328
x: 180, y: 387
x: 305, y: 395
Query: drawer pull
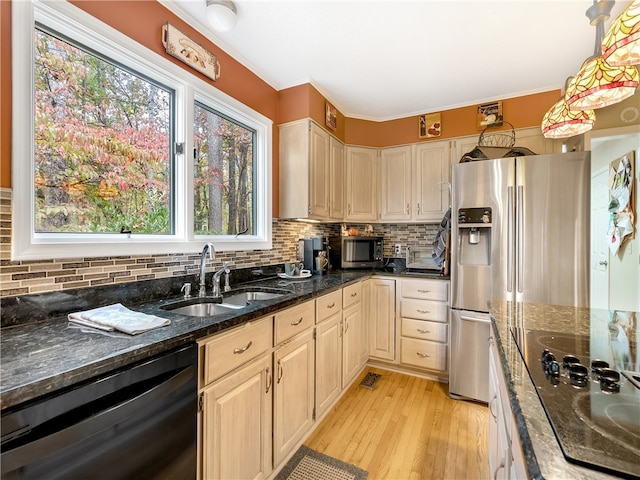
x: 423, y: 331
x: 242, y: 350
x: 423, y: 311
x: 423, y: 355
x: 354, y: 295
x: 424, y: 291
x: 332, y: 305
x: 298, y: 322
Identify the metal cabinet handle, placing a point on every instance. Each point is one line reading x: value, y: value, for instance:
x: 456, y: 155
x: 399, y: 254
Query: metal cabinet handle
x: 501, y: 466
x: 424, y: 291
x: 346, y: 326
x: 294, y: 323
x: 423, y: 331
x: 242, y: 350
x: 332, y: 305
x: 423, y: 311
x: 408, y: 209
x: 423, y: 355
x: 349, y: 208
x: 280, y: 371
x: 603, y: 263
x: 269, y: 381
x: 495, y: 417
x: 354, y: 295
x: 418, y: 209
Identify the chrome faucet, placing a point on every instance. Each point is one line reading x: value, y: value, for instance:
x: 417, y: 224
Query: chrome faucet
x: 216, y: 280
x: 203, y: 263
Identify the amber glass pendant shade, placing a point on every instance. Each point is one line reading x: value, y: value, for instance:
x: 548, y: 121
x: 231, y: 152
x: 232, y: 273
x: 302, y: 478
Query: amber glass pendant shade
x: 561, y: 122
x: 621, y: 44
x: 599, y: 84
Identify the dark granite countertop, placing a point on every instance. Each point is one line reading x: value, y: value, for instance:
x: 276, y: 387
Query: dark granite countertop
x: 542, y: 453
x: 47, y: 353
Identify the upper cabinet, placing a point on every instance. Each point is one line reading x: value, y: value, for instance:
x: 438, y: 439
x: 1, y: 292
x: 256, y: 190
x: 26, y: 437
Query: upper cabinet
x: 361, y: 189
x: 415, y: 182
x: 311, y: 172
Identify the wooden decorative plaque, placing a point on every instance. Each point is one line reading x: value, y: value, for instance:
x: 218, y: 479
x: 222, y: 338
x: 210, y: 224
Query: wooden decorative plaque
x: 178, y: 45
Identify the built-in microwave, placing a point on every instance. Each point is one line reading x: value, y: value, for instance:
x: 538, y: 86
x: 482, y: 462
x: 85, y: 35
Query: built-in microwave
x: 356, y: 252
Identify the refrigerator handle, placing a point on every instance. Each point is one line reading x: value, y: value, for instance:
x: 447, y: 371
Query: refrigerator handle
x: 510, y: 241
x: 520, y: 238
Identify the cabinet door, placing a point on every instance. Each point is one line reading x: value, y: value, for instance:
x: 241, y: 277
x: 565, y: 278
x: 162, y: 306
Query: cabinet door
x: 236, y: 426
x: 432, y: 178
x: 351, y: 342
x: 319, y: 172
x: 293, y: 394
x: 336, y: 179
x: 362, y: 194
x: 328, y: 362
x: 395, y: 180
x: 381, y: 319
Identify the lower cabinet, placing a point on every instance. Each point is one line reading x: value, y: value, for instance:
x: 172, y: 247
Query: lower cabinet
x: 506, y: 460
x: 236, y: 424
x: 293, y: 394
x: 381, y: 321
x: 328, y: 362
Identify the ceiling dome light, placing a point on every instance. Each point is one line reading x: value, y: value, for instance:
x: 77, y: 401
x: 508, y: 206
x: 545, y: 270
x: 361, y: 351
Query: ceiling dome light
x: 561, y: 122
x: 621, y: 44
x: 221, y: 14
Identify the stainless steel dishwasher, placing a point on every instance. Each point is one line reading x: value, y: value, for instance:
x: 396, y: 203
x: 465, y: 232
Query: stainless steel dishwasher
x: 137, y: 422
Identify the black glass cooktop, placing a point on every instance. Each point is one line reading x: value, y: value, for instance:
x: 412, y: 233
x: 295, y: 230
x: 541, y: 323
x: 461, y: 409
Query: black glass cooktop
x: 586, y: 386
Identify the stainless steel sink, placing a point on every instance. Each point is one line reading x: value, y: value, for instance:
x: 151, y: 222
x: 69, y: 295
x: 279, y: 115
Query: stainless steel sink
x: 231, y: 301
x: 206, y: 306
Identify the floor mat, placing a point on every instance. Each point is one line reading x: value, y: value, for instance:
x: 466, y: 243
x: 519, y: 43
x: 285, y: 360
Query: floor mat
x: 307, y: 464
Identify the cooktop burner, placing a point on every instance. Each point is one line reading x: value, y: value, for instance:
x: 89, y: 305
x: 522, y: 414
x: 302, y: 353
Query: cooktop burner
x: 593, y: 408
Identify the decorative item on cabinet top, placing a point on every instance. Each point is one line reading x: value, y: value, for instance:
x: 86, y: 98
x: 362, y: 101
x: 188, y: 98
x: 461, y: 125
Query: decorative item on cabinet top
x: 180, y: 46
x: 430, y: 125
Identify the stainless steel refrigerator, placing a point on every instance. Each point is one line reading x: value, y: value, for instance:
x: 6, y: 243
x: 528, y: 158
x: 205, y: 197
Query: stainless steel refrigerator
x: 520, y: 232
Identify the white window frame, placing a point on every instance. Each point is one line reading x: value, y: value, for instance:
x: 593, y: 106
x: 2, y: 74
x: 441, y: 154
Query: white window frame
x: 69, y: 20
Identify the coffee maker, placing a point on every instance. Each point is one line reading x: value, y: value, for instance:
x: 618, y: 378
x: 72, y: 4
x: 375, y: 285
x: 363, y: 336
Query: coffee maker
x: 313, y: 253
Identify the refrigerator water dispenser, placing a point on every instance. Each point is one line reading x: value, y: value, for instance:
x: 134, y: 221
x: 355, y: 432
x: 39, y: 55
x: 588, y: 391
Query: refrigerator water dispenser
x: 474, y: 233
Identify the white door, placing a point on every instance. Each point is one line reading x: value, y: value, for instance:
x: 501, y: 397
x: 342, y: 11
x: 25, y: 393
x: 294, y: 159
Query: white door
x: 599, y: 248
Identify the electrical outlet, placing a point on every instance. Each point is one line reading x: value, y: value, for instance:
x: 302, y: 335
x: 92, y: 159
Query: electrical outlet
x: 397, y: 250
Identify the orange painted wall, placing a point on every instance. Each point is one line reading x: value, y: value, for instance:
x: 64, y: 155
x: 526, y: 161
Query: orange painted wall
x: 5, y: 93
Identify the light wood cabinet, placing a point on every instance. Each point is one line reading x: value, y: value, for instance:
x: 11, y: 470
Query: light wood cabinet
x: 306, y: 175
x: 328, y: 362
x: 361, y: 188
x: 396, y: 184
x: 506, y: 460
x: 235, y: 387
x: 424, y: 328
x: 381, y: 319
x: 354, y: 354
x: 293, y: 395
x: 432, y: 176
x: 336, y: 179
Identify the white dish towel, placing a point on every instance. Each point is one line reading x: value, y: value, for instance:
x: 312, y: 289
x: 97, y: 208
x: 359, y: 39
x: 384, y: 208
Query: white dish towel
x: 118, y: 317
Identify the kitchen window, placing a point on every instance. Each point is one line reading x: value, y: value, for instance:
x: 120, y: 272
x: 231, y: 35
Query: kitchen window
x: 118, y: 151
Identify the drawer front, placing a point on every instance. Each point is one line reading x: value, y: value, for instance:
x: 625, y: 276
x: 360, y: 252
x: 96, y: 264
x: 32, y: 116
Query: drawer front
x: 425, y: 330
x: 423, y: 310
x: 351, y: 294
x: 227, y: 351
x: 328, y: 305
x: 423, y: 354
x: 437, y: 290
x: 294, y: 320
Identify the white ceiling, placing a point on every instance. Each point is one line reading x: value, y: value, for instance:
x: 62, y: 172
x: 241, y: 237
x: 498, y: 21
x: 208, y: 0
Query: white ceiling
x: 386, y: 59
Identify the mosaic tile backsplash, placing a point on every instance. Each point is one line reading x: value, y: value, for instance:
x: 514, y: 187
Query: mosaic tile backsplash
x: 27, y: 277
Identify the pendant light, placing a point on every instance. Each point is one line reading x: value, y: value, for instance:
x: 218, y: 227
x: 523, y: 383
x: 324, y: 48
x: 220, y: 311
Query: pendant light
x: 621, y: 44
x: 562, y: 122
x: 599, y: 84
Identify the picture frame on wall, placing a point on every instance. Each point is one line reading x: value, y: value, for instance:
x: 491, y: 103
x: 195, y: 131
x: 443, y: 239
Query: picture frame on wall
x: 489, y: 115
x: 331, y: 116
x: 429, y: 125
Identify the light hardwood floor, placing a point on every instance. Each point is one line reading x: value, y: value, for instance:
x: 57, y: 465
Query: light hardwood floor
x: 406, y: 428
